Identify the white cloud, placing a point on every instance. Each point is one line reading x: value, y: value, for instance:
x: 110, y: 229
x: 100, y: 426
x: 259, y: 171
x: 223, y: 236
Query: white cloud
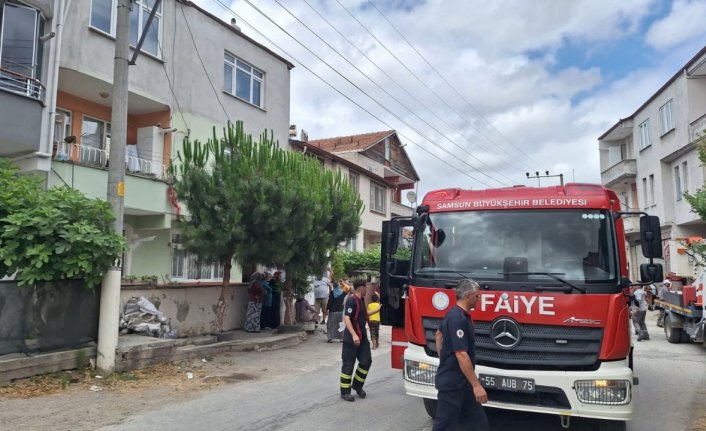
x: 684, y: 22
x: 482, y: 49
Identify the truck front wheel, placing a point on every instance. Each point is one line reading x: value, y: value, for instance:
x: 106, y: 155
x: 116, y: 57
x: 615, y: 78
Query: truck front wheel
x: 673, y: 334
x: 430, y: 407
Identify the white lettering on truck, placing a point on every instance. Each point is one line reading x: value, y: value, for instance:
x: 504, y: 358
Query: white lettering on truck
x: 518, y: 304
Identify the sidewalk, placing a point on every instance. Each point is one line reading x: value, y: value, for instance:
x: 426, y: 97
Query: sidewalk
x: 138, y: 352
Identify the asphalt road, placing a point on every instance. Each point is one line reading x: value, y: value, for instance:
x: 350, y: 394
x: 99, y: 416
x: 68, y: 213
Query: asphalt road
x: 671, y: 382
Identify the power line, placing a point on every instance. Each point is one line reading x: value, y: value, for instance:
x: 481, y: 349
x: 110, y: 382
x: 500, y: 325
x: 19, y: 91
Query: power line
x: 188, y: 27
x: 417, y: 77
x: 391, y: 95
x: 256, y: 30
x: 420, y: 133
x: 449, y: 84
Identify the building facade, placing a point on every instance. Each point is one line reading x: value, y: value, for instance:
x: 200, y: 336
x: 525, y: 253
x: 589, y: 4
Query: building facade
x: 379, y: 168
x: 195, y: 72
x: 650, y: 159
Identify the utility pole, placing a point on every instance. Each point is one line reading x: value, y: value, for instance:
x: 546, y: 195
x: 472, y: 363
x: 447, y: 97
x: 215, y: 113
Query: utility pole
x: 110, y: 289
x: 536, y: 175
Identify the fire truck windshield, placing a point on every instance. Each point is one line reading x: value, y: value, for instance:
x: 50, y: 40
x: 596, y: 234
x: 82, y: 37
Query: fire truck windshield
x: 575, y: 245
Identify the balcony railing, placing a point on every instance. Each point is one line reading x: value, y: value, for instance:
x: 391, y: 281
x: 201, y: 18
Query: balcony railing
x: 626, y: 168
x: 696, y: 128
x: 92, y: 156
x: 21, y: 84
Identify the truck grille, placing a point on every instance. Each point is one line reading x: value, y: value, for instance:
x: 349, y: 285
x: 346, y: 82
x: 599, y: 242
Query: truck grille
x: 541, y: 347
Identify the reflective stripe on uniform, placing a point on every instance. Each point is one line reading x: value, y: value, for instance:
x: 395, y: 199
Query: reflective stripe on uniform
x: 362, y: 371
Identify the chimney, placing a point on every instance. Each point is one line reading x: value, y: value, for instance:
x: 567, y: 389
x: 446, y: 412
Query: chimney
x: 232, y: 23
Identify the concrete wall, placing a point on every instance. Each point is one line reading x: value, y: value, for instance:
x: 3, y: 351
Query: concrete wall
x: 192, y: 309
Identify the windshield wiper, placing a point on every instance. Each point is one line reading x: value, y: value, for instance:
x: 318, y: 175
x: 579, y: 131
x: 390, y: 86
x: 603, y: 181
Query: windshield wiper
x: 550, y: 275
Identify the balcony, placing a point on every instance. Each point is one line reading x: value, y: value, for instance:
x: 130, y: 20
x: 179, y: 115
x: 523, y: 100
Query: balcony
x: 623, y: 170
x: 399, y: 209
x: 21, y: 106
x: 97, y: 157
x: 696, y: 129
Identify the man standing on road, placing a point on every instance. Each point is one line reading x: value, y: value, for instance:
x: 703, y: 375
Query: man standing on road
x: 639, y: 314
x: 355, y: 344
x: 460, y: 393
x: 661, y: 290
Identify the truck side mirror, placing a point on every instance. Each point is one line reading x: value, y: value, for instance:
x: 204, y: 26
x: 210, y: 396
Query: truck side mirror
x: 651, y: 237
x: 651, y: 273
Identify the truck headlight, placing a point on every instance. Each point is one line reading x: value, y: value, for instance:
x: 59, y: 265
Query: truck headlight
x: 610, y: 392
x: 419, y: 372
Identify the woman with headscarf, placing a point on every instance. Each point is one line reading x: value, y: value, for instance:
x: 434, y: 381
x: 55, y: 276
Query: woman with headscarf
x: 266, y: 316
x: 335, y: 313
x: 256, y: 293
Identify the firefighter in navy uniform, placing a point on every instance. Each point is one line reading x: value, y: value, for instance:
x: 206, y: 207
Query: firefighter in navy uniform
x: 460, y: 393
x: 355, y: 344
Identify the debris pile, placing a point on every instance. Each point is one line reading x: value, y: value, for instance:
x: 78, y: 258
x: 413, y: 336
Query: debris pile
x: 142, y: 317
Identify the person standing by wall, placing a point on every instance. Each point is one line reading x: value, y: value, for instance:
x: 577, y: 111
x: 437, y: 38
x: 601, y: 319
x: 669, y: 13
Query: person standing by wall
x: 460, y: 393
x: 255, y: 293
x: 322, y: 287
x: 661, y: 291
x: 355, y: 344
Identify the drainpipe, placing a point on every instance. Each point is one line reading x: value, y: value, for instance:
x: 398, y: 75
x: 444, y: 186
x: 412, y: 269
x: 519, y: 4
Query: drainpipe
x: 60, y: 9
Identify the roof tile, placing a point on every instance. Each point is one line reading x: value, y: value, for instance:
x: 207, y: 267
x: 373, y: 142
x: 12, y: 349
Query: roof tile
x: 351, y: 143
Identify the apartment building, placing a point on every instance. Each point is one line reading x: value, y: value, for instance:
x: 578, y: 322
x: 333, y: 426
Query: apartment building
x: 195, y: 72
x: 649, y: 158
x: 378, y: 167
x: 29, y: 49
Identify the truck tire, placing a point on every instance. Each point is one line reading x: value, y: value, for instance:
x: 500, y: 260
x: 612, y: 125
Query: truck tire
x: 612, y: 425
x: 673, y: 334
x: 430, y: 407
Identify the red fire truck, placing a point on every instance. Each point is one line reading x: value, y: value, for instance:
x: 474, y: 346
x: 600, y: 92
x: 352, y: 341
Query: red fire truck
x: 552, y: 322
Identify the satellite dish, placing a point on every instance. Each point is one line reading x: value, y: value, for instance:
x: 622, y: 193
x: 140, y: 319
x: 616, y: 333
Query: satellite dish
x: 411, y: 196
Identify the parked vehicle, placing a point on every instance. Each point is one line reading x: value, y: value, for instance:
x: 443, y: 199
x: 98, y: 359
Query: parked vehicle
x: 552, y: 322
x: 684, y: 312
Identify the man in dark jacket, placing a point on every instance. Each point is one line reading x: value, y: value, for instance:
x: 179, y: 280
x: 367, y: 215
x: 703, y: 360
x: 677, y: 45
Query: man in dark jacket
x: 460, y: 393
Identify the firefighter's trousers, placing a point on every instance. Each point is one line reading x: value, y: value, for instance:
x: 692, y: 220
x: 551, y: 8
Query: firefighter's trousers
x: 349, y: 354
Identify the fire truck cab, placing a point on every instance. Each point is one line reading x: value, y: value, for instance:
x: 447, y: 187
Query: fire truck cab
x: 552, y: 323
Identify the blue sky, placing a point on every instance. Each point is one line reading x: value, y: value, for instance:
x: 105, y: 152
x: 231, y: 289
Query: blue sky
x: 538, y: 80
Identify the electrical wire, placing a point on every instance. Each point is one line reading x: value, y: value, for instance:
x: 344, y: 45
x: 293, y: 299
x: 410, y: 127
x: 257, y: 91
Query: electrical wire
x: 435, y: 94
x: 374, y: 100
x: 391, y: 95
x: 294, y: 59
x: 449, y: 84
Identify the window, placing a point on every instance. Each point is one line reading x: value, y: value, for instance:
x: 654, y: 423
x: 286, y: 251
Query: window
x: 685, y: 177
x: 387, y: 148
x: 652, y: 189
x: 20, y: 49
x: 242, y: 80
x: 665, y: 116
x: 645, y: 134
x: 353, y: 180
x: 62, y: 125
x: 377, y: 198
x: 103, y: 18
x: 351, y: 244
x: 95, y: 141
x: 677, y: 182
x: 644, y: 193
x: 188, y: 266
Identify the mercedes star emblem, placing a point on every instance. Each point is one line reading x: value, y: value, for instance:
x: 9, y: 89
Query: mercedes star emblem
x: 505, y: 333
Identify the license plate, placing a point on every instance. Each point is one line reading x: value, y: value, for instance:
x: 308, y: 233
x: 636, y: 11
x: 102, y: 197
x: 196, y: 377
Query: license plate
x: 504, y: 383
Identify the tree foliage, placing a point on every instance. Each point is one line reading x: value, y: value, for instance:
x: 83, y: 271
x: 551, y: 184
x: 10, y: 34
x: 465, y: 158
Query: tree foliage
x: 53, y: 234
x: 368, y: 260
x: 260, y: 204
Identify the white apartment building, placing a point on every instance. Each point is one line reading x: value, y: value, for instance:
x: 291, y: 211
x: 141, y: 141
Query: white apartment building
x: 380, y: 170
x: 650, y: 159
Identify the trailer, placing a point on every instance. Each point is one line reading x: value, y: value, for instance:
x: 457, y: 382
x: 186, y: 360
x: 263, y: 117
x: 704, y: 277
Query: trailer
x: 684, y: 313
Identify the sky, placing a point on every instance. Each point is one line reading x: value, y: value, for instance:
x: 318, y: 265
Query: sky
x: 480, y: 92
